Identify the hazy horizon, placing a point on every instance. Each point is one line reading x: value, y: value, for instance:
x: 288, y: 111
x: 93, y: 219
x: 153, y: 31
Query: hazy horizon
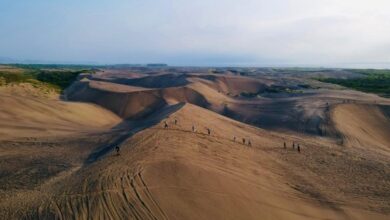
x: 281, y: 33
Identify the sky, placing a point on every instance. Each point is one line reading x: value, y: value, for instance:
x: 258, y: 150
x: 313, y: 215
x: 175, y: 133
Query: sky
x: 340, y: 33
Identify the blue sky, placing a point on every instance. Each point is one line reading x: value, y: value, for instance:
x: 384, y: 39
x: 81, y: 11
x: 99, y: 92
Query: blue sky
x: 203, y: 32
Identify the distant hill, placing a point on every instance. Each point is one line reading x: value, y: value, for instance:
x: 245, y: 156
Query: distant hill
x: 156, y: 65
x: 4, y: 60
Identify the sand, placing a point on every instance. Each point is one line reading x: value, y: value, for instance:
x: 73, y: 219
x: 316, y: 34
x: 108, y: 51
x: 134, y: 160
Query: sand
x: 26, y: 112
x: 60, y: 160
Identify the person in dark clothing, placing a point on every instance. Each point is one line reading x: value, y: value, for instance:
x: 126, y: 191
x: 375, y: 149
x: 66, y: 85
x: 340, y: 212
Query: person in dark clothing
x: 234, y: 138
x: 249, y: 143
x: 293, y: 145
x: 284, y: 145
x: 243, y: 140
x: 175, y: 121
x: 165, y: 124
x: 193, y: 128
x: 208, y: 131
x: 117, y: 150
x: 299, y: 149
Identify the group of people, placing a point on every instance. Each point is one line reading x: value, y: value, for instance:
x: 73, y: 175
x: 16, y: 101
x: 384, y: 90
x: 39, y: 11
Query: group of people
x: 244, y: 141
x: 208, y: 130
x: 166, y: 124
x: 293, y: 146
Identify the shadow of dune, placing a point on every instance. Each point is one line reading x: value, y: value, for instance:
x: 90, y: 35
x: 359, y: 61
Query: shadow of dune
x: 160, y: 81
x: 126, y: 105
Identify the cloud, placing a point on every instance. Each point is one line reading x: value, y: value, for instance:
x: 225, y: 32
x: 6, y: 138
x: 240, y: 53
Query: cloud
x: 248, y: 32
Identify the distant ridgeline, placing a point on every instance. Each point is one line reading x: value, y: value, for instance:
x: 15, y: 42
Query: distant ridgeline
x: 372, y: 81
x: 57, y: 77
x: 156, y: 65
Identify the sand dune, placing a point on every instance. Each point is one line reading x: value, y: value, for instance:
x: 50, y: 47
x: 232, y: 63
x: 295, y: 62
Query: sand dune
x: 295, y: 112
x: 176, y: 174
x: 364, y: 126
x: 22, y: 116
x: 147, y: 93
x: 58, y: 158
x: 134, y: 104
x: 232, y: 85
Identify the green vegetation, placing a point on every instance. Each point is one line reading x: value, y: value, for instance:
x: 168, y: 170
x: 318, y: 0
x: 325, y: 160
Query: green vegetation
x: 276, y: 89
x: 373, y: 81
x: 58, y: 79
x: 15, y: 77
x: 52, y: 66
x: 249, y: 94
x: 52, y: 76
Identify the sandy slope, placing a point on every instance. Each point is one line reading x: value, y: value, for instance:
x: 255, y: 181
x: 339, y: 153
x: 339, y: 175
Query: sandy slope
x: 177, y: 174
x: 27, y: 115
x: 364, y: 126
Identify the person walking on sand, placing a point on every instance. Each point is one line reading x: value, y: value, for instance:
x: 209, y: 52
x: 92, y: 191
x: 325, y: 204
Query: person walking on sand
x: 284, y: 145
x: 249, y: 143
x: 117, y: 150
x: 243, y: 140
x: 293, y: 145
x: 165, y: 124
x: 299, y: 149
x: 175, y: 121
x: 208, y: 131
x: 193, y: 128
x: 234, y: 138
